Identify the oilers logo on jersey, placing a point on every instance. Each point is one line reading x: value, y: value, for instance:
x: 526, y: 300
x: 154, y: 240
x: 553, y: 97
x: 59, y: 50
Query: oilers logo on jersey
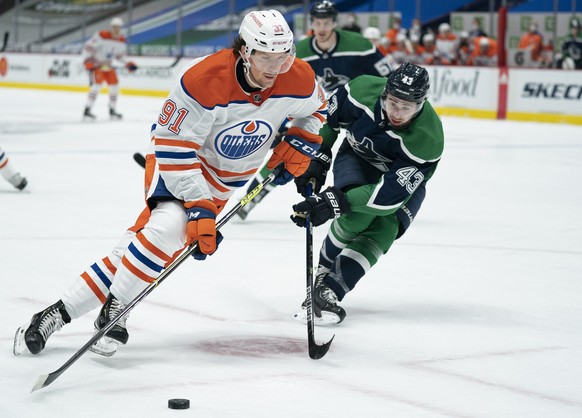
x: 243, y: 139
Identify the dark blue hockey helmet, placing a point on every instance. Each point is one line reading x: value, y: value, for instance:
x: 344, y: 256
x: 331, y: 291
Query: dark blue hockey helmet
x: 408, y: 82
x: 323, y: 9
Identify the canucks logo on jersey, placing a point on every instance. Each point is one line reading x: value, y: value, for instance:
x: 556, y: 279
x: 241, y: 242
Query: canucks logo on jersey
x: 242, y: 139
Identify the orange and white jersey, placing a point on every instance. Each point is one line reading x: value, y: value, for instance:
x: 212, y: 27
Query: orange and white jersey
x: 211, y: 136
x: 446, y: 45
x: 103, y: 48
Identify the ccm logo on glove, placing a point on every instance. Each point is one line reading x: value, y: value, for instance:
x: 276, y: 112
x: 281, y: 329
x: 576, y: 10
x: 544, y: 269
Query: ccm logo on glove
x: 303, y: 146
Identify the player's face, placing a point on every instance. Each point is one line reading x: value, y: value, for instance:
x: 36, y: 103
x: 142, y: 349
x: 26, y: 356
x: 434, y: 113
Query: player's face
x: 265, y: 66
x: 116, y: 30
x: 399, y: 111
x: 323, y: 29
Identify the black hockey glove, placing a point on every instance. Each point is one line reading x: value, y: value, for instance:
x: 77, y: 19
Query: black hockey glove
x: 329, y: 204
x: 317, y: 170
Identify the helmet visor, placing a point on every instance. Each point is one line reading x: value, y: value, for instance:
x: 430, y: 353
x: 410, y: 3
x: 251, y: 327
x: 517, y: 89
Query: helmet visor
x: 270, y: 62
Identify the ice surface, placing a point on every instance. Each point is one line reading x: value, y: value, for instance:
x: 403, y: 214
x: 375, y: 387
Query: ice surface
x: 475, y: 312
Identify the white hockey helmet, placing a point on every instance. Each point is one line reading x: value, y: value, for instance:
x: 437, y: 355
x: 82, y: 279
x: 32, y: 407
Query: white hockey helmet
x: 116, y: 22
x: 267, y: 31
x: 372, y: 33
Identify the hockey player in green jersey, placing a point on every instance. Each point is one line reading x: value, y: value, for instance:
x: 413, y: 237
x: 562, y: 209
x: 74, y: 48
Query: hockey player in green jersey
x: 337, y: 56
x: 393, y: 143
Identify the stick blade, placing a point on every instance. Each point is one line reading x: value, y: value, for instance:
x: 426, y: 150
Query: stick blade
x: 44, y: 380
x: 318, y: 351
x: 40, y: 383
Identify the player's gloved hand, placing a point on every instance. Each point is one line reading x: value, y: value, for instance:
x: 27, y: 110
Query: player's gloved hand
x: 329, y: 204
x: 90, y: 65
x: 131, y: 67
x: 202, y: 224
x: 317, y: 170
x: 295, y: 152
x: 199, y: 255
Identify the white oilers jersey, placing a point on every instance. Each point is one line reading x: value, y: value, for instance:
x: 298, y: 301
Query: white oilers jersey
x: 103, y: 48
x: 211, y: 136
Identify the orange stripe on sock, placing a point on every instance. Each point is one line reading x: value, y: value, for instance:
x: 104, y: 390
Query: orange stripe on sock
x: 137, y: 272
x: 112, y: 269
x: 5, y: 162
x: 152, y: 248
x: 93, y: 287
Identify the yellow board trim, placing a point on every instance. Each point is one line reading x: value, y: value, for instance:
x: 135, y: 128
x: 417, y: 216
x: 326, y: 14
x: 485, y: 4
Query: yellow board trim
x: 545, y: 117
x: 84, y: 89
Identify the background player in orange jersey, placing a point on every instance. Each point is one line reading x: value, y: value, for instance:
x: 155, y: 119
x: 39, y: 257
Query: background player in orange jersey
x: 212, y: 134
x: 98, y: 53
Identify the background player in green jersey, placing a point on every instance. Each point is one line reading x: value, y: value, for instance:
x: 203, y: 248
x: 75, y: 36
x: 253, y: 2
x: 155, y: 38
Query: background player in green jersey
x: 394, y: 141
x: 336, y: 56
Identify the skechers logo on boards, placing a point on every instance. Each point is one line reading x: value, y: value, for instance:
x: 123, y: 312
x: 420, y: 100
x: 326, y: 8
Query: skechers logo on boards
x: 446, y: 85
x: 553, y: 91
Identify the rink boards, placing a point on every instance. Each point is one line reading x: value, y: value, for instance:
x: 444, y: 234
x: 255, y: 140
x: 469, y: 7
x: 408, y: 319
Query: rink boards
x: 544, y: 95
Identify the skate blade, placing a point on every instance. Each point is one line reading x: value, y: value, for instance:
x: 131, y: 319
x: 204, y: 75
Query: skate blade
x: 19, y: 347
x: 327, y: 318
x: 105, y: 347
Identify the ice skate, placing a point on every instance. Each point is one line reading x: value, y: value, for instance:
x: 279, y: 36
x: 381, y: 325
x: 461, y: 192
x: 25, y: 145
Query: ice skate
x: 87, y: 115
x: 117, y: 335
x: 18, y: 181
x: 32, y: 337
x: 326, y: 311
x: 113, y: 115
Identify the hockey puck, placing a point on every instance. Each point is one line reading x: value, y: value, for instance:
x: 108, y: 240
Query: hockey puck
x: 178, y: 404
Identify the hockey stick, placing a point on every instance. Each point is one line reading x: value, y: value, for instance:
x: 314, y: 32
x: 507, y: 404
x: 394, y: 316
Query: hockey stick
x: 5, y: 41
x: 316, y: 351
x: 160, y: 67
x: 140, y: 159
x: 47, y: 379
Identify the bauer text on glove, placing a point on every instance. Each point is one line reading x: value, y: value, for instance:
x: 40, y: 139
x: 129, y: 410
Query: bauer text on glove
x: 202, y: 224
x: 329, y: 204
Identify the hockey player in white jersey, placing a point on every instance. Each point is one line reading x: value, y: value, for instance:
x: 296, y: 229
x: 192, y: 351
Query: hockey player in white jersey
x: 212, y: 134
x: 99, y: 52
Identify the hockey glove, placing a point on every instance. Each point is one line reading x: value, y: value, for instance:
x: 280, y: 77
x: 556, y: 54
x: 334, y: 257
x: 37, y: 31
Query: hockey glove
x: 199, y: 255
x: 90, y: 65
x: 317, y: 170
x: 295, y: 153
x: 202, y: 224
x: 329, y: 204
x: 131, y: 67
